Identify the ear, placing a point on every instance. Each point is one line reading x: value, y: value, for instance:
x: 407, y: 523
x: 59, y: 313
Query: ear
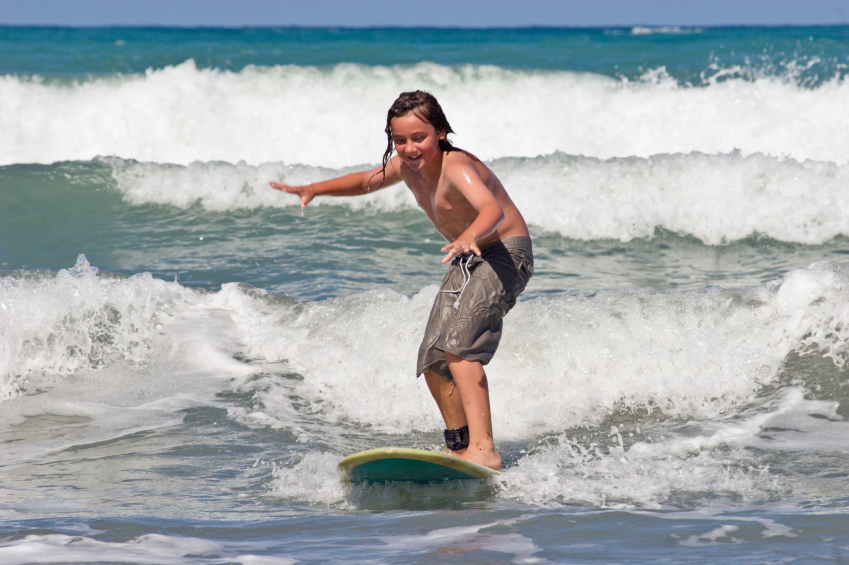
x: 442, y: 135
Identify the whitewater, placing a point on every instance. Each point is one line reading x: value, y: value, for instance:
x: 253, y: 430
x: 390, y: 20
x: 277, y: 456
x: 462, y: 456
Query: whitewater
x: 185, y: 354
x: 180, y: 114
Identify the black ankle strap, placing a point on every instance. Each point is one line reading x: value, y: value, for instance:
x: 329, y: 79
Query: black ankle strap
x: 457, y: 439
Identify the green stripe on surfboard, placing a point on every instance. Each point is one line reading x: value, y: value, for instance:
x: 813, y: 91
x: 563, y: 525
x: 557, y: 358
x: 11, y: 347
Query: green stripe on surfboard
x: 403, y: 464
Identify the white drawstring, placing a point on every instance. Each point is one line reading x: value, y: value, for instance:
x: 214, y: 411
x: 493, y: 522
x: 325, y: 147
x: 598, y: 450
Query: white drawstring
x: 467, y: 276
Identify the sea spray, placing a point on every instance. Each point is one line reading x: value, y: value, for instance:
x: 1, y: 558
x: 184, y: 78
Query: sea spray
x: 77, y: 319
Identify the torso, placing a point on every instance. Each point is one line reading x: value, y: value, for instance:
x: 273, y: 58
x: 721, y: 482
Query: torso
x: 448, y: 209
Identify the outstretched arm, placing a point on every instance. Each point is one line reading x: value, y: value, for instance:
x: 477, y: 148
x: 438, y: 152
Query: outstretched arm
x: 353, y: 184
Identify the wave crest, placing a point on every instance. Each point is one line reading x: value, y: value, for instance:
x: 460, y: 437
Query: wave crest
x: 716, y: 198
x: 335, y: 116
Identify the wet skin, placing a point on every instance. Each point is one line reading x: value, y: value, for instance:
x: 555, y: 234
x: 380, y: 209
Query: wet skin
x: 469, y: 207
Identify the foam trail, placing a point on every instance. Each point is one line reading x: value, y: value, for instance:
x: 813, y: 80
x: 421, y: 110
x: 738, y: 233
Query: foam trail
x: 647, y: 471
x: 180, y: 114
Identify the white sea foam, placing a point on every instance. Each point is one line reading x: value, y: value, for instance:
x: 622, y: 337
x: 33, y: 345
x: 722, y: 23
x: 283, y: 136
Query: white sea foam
x: 77, y: 320
x: 154, y: 549
x: 619, y: 473
x: 469, y: 539
x: 673, y: 30
x: 314, y: 480
x: 121, y: 355
x: 335, y: 116
x: 570, y: 470
x: 650, y: 470
x: 157, y: 549
x: 371, y: 373
x: 564, y: 362
x: 716, y: 198
x: 109, y: 356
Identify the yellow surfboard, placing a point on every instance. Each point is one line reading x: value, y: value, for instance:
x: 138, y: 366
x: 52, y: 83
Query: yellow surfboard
x: 403, y: 464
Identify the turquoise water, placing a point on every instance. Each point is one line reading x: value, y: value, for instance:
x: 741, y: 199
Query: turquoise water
x: 620, y: 52
x: 185, y: 356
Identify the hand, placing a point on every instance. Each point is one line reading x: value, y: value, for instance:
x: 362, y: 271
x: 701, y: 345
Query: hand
x: 460, y: 246
x: 305, y: 193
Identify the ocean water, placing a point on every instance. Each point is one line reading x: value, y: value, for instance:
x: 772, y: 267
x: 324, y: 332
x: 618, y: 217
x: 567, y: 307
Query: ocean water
x: 185, y: 355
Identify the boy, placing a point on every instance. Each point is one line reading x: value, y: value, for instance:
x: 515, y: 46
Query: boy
x: 491, y: 253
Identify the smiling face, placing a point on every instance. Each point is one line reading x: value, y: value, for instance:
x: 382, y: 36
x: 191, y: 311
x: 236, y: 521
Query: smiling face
x: 415, y: 140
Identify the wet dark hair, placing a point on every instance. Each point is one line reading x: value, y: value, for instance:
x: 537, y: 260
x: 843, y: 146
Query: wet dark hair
x: 425, y: 107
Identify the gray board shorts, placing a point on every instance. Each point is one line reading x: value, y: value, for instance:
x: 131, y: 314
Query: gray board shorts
x: 473, y: 329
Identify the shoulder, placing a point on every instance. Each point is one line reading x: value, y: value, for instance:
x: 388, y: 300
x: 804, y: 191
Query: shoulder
x: 459, y: 165
x: 458, y: 162
x: 394, y: 163
x: 381, y: 177
x: 395, y: 166
x: 460, y: 156
x: 468, y: 176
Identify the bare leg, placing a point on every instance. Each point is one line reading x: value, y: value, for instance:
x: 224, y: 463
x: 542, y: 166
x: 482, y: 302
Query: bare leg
x: 470, y: 380
x: 447, y: 397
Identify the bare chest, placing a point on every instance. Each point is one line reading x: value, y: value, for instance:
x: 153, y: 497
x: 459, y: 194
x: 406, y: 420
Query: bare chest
x: 436, y: 201
x: 450, y: 214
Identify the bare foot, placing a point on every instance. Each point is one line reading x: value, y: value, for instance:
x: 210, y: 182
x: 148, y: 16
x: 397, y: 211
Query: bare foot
x: 485, y: 458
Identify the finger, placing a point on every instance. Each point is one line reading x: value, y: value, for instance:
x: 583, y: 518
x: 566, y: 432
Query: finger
x: 282, y: 187
x: 450, y: 254
x: 474, y: 247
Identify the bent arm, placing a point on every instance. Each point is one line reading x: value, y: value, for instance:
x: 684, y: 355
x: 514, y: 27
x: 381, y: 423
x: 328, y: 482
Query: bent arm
x: 353, y: 184
x: 490, y: 214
